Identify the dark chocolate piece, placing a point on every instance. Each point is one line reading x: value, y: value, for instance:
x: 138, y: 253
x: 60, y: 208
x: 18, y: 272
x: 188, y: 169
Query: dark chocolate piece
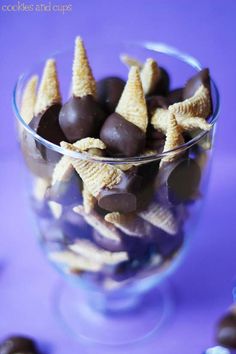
x: 66, y: 193
x: 183, y: 181
x: 122, y: 197
x: 17, y: 344
x: 201, y: 78
x: 175, y: 96
x: 80, y: 118
x: 226, y: 331
x: 121, y: 137
x: 154, y: 102
x: 163, y: 85
x: 47, y: 125
x: 155, y: 139
x: 109, y: 91
x: 178, y: 181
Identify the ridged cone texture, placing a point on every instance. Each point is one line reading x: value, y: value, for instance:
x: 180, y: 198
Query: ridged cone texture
x: 88, y: 250
x: 97, y: 176
x: 174, y: 138
x: 74, y: 262
x: 132, y: 104
x: 29, y: 99
x: 199, y: 105
x: 149, y: 75
x: 83, y: 82
x: 161, y: 217
x: 49, y: 91
x: 89, y: 200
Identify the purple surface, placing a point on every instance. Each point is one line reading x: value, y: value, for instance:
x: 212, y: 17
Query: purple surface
x: 203, y: 283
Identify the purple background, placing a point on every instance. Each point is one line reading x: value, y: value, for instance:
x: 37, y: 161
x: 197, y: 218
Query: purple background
x: 203, y: 284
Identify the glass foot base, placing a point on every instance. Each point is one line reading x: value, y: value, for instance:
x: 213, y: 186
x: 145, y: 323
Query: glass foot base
x: 114, y: 320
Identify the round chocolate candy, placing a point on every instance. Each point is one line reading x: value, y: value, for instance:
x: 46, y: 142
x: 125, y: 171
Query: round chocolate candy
x: 226, y: 332
x: 17, y: 344
x: 122, y: 197
x: 122, y: 137
x: 109, y: 91
x: 201, y: 78
x: 80, y: 118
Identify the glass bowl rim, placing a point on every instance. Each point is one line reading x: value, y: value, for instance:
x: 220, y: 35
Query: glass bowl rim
x: 158, y: 47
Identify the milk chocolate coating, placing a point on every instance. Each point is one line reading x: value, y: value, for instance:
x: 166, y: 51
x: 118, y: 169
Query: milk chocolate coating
x: 80, y: 118
x: 155, y: 139
x: 17, y: 344
x: 121, y: 137
x: 201, y: 78
x: 109, y: 91
x: 163, y: 85
x: 122, y: 197
x: 226, y: 332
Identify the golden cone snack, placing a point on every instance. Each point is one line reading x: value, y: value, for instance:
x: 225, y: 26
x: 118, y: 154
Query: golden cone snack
x: 83, y: 82
x: 161, y: 217
x: 174, y: 138
x: 49, y: 91
x: 29, y: 99
x: 88, y: 250
x: 149, y: 75
x: 199, y: 105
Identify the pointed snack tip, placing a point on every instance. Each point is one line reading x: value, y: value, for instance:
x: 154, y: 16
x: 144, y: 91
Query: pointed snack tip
x: 132, y: 104
x: 193, y: 123
x: 149, y: 75
x: 83, y: 82
x: 129, y: 61
x: 174, y: 138
x: 49, y: 92
x: 29, y: 99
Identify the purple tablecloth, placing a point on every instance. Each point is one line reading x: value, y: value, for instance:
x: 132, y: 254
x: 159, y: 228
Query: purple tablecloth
x: 203, y: 283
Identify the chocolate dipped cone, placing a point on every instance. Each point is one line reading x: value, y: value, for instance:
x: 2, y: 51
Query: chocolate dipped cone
x: 81, y: 116
x: 29, y: 99
x: 131, y: 224
x: 132, y: 105
x: 124, y: 132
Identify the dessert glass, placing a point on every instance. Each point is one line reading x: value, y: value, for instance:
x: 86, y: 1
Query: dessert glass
x: 111, y: 286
